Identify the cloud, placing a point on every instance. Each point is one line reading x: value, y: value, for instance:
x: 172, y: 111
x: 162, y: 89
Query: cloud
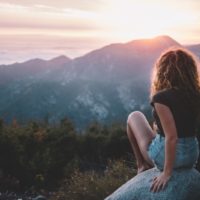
x: 41, y: 16
x: 119, y: 19
x: 77, y: 4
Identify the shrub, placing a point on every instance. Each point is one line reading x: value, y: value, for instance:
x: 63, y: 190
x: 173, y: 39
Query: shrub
x: 91, y: 185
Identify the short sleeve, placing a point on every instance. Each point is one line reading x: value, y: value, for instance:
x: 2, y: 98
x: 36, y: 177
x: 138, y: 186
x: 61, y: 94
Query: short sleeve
x: 160, y: 97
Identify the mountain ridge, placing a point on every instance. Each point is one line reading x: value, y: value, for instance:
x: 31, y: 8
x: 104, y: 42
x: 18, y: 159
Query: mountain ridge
x: 141, y: 41
x: 104, y: 85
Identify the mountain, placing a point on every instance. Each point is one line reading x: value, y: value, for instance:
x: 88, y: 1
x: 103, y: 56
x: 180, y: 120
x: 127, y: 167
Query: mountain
x: 194, y: 48
x: 105, y: 84
x: 17, y: 71
x: 120, y: 60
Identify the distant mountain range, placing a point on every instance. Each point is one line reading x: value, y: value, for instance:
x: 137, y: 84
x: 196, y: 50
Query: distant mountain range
x: 103, y: 85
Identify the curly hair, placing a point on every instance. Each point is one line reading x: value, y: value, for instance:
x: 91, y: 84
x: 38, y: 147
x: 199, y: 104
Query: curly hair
x: 176, y: 68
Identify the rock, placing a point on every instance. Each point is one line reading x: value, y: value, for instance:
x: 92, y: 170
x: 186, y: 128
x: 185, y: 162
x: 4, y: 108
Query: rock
x: 40, y: 197
x: 183, y: 185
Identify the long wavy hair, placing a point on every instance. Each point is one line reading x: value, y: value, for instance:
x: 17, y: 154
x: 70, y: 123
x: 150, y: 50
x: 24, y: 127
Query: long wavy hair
x: 177, y: 68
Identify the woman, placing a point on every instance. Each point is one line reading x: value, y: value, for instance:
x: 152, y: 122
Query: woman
x: 175, y: 101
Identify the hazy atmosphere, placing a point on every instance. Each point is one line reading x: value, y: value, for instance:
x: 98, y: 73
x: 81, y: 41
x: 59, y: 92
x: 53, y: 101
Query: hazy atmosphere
x: 47, y: 28
x: 72, y: 73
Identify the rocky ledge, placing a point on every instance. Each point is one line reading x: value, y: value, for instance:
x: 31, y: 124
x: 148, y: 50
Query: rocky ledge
x: 183, y: 185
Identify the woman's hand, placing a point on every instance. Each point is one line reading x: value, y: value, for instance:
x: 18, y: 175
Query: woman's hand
x: 159, y: 182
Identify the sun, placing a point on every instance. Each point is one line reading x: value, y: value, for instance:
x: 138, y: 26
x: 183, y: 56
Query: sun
x: 129, y: 19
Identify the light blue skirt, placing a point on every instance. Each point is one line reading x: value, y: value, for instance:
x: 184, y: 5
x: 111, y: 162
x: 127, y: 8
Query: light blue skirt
x: 187, y: 152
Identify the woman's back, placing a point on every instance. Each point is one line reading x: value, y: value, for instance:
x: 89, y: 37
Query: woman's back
x: 184, y: 113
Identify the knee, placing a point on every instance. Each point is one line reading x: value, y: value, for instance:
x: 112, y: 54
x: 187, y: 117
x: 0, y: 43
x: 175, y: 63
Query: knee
x: 133, y: 116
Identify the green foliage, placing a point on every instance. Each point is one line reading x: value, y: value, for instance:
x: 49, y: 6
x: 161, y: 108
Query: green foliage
x: 92, y: 185
x: 40, y: 155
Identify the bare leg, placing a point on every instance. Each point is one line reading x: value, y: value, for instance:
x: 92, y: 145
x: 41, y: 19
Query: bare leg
x: 142, y: 165
x: 140, y: 135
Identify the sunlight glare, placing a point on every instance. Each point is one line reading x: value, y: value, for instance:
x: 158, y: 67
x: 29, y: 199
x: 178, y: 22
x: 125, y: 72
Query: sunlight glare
x: 144, y: 19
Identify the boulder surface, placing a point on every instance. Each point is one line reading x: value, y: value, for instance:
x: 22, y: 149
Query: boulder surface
x: 183, y: 185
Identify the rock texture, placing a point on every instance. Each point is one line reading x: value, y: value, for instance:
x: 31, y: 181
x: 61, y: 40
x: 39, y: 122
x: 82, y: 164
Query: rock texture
x: 183, y: 185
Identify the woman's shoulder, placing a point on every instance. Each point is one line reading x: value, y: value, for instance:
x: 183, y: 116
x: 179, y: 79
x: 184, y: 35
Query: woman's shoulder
x: 164, y: 96
x: 168, y: 92
x: 163, y: 93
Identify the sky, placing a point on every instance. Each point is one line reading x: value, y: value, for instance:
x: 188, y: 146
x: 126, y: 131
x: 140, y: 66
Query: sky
x: 47, y: 28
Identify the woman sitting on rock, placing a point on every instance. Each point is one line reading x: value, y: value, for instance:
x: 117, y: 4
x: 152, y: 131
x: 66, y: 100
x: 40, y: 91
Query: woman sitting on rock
x: 175, y: 100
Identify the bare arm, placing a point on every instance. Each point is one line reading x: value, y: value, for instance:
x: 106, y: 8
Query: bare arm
x: 169, y: 128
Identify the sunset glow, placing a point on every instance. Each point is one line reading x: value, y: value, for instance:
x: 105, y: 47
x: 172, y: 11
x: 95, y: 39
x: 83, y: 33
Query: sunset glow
x: 102, y: 21
x: 147, y: 18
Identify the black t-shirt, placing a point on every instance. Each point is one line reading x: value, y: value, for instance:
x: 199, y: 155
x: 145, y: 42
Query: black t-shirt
x: 176, y: 100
